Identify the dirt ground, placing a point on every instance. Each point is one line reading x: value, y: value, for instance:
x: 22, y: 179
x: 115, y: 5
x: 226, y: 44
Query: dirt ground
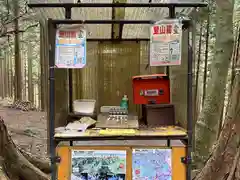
x: 28, y: 129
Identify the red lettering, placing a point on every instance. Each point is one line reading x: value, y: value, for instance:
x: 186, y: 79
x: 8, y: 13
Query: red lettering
x: 73, y: 34
x: 169, y: 29
x: 61, y: 34
x: 155, y: 29
x: 162, y: 30
x: 67, y: 34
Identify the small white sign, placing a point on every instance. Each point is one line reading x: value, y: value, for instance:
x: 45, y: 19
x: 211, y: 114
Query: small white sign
x: 70, y: 48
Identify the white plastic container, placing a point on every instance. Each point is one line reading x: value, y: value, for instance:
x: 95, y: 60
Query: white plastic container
x: 84, y: 106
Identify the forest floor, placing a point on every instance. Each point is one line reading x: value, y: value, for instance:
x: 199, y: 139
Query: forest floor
x: 27, y: 129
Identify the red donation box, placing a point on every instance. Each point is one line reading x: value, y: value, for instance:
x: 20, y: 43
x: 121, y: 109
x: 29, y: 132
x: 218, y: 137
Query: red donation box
x: 151, y: 89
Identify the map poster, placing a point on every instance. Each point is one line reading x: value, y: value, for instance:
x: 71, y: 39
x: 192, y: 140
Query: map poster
x: 151, y: 164
x: 165, y: 43
x: 70, y: 48
x: 98, y: 165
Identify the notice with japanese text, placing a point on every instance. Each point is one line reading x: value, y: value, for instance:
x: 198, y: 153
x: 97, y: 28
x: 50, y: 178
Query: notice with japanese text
x: 165, y: 43
x: 70, y: 48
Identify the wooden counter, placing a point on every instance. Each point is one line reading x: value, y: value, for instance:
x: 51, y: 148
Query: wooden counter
x: 92, y: 135
x: 161, y: 132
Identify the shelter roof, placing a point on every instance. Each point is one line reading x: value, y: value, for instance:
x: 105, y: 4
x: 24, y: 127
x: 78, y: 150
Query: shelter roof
x: 104, y: 31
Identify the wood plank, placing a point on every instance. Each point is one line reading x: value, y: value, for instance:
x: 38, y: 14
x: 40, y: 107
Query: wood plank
x: 160, y: 132
x: 178, y: 168
x: 63, y: 170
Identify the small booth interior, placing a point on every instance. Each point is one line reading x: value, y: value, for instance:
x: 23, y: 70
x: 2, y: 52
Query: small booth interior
x: 133, y: 137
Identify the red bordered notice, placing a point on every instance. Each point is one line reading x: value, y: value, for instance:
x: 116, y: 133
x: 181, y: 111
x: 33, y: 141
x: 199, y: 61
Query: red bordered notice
x: 70, y: 47
x: 166, y: 43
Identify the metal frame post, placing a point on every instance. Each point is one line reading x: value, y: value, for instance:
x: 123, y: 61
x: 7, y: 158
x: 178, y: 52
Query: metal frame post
x: 51, y: 38
x: 189, y: 109
x: 68, y: 15
x: 171, y: 14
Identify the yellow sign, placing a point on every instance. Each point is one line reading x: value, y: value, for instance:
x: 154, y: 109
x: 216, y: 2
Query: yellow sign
x: 117, y: 131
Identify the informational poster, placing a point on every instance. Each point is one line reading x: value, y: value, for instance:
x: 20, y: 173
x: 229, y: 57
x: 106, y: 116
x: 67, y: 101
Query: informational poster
x: 70, y: 48
x: 98, y: 165
x: 165, y: 43
x: 151, y: 164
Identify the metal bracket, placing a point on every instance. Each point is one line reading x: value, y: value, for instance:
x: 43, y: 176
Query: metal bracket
x: 56, y: 159
x: 186, y: 160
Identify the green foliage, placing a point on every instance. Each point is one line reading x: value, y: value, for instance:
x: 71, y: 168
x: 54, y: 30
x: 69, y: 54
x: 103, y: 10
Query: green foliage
x: 29, y: 34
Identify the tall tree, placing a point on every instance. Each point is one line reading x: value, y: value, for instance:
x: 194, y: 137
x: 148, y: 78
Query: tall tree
x: 30, y: 73
x: 196, y: 93
x: 207, y: 123
x: 178, y: 79
x: 43, y: 86
x: 206, y: 59
x: 224, y: 162
x: 1, y: 74
x: 18, y: 66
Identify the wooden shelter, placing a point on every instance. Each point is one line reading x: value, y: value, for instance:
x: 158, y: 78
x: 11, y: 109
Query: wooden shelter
x: 113, y: 50
x: 117, y: 49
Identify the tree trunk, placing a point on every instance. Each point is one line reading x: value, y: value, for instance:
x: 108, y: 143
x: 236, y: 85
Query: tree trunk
x: 5, y: 80
x: 7, y: 72
x: 11, y: 86
x: 25, y: 72
x: 207, y: 124
x: 3, y: 175
x: 233, y: 64
x: 206, y: 59
x: 41, y: 163
x: 1, y: 76
x: 14, y: 162
x: 18, y: 74
x: 42, y: 66
x: 196, y: 94
x: 178, y: 79
x: 224, y: 163
x: 30, y: 83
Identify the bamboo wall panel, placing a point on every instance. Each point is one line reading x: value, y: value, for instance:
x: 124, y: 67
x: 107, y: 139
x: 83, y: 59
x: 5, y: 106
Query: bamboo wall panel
x: 144, y: 59
x: 118, y: 62
x: 85, y: 83
x: 108, y: 74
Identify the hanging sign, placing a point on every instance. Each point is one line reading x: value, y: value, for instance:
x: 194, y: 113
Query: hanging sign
x: 165, y: 43
x: 70, y: 48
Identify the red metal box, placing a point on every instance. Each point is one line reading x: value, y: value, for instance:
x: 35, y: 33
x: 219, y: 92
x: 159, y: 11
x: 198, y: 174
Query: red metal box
x: 151, y: 89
